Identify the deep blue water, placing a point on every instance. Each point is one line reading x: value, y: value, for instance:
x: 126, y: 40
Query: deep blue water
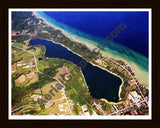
x: 101, y: 83
x: 101, y: 24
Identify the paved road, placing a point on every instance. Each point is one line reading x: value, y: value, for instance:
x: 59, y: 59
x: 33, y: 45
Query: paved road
x: 127, y: 107
x: 71, y: 86
x: 48, y: 75
x: 131, y: 76
x: 31, y: 105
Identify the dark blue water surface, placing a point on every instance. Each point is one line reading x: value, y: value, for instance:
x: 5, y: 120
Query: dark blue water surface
x: 101, y: 83
x: 101, y: 24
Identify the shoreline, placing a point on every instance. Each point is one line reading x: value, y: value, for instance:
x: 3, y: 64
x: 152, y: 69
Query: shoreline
x: 91, y: 46
x: 140, y: 73
x: 119, y: 91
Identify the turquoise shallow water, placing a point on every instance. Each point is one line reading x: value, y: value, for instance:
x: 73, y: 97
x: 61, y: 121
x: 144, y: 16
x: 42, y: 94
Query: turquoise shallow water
x: 105, y: 23
x: 113, y: 49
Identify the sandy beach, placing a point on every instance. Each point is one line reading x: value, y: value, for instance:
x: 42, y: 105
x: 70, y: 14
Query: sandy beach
x: 115, y: 75
x: 140, y: 73
x: 119, y: 92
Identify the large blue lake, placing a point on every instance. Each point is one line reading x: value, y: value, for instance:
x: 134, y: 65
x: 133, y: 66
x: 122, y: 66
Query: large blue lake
x: 101, y: 83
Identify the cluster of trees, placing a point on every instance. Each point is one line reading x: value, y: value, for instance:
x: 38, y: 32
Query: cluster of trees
x: 42, y: 80
x: 43, y: 35
x: 18, y: 93
x: 50, y: 71
x: 20, y: 38
x: 80, y: 49
x: 18, y: 20
x: 77, y: 85
x: 50, y: 30
x: 75, y: 109
x: 77, y: 99
x: 75, y: 46
x: 123, y: 93
x: 20, y: 23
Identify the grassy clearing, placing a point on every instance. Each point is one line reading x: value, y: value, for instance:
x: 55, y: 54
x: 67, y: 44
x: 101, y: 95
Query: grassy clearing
x: 46, y: 90
x: 20, y: 45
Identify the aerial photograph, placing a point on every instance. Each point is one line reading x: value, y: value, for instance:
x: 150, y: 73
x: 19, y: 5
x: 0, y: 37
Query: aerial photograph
x: 79, y: 64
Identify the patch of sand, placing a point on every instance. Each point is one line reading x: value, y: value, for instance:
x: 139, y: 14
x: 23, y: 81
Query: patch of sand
x: 20, y: 80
